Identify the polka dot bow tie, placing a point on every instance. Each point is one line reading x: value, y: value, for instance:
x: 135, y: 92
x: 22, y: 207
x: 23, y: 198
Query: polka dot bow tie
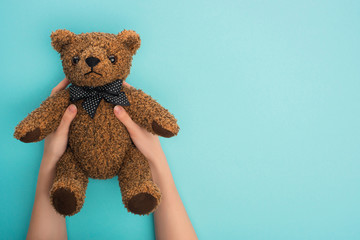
x: 93, y: 95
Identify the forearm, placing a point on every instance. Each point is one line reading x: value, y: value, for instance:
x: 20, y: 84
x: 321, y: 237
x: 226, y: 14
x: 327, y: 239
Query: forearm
x: 45, y: 223
x: 171, y: 219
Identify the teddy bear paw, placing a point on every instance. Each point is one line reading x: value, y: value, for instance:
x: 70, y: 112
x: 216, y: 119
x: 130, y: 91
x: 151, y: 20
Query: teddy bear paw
x: 31, y: 136
x: 64, y: 201
x: 142, y: 203
x: 159, y: 130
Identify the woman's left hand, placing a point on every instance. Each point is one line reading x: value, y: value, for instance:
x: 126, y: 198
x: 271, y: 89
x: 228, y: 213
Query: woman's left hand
x: 45, y: 222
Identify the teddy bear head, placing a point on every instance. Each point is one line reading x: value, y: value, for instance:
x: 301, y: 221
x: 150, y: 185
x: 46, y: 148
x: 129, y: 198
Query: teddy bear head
x: 95, y: 59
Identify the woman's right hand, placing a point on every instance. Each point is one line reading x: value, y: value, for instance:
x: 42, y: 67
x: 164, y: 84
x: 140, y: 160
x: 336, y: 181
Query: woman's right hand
x: 147, y: 143
x: 171, y: 220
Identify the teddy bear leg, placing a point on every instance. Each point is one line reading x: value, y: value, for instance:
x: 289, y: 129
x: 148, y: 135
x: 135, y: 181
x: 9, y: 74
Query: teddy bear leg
x: 67, y: 193
x: 140, y: 194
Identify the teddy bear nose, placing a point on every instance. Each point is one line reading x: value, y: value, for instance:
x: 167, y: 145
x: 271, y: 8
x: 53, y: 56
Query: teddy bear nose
x: 92, y: 61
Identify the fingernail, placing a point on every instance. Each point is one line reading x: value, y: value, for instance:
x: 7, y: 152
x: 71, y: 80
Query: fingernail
x: 72, y: 108
x: 117, y: 109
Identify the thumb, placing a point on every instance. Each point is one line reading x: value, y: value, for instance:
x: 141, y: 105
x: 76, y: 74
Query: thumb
x: 124, y: 117
x: 67, y: 118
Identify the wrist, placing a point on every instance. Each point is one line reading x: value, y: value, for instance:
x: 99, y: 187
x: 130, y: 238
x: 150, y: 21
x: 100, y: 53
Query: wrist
x: 160, y: 171
x: 49, y: 160
x: 46, y: 174
x: 158, y: 161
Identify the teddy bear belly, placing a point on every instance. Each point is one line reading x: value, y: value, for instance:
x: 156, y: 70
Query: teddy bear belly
x: 99, y: 144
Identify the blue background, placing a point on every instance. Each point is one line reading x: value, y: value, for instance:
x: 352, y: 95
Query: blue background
x: 267, y: 98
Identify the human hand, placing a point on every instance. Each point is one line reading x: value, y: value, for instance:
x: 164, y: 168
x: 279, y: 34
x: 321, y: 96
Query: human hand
x: 56, y: 142
x: 147, y: 143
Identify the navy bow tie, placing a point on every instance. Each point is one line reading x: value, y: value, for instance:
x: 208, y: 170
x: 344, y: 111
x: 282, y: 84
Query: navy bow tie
x: 93, y: 95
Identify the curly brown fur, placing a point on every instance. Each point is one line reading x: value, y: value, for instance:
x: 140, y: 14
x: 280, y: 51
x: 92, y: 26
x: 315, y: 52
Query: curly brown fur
x: 43, y: 120
x: 100, y: 45
x: 69, y: 178
x: 99, y: 147
x: 135, y: 179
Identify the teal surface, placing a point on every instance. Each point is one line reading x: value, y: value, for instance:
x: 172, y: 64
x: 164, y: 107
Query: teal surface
x: 267, y: 94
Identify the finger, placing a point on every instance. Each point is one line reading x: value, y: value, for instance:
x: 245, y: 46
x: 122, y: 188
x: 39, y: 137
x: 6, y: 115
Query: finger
x: 128, y: 85
x: 66, y: 120
x: 124, y: 117
x: 62, y: 85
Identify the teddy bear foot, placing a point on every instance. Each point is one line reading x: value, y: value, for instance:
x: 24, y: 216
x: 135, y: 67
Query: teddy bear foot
x: 142, y: 203
x: 141, y: 199
x: 64, y: 201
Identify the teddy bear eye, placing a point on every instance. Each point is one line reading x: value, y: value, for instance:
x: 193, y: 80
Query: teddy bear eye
x: 75, y: 60
x: 112, y: 59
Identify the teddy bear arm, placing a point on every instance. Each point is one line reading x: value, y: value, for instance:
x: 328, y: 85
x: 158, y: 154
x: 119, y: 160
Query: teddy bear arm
x: 43, y: 120
x: 149, y: 114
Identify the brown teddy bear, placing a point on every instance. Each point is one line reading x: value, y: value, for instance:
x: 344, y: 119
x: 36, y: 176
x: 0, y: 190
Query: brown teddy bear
x: 99, y: 145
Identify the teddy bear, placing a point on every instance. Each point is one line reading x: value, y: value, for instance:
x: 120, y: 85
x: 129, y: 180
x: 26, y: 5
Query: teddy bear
x: 99, y: 145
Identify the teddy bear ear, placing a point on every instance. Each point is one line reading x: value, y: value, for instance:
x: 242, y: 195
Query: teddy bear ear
x: 130, y: 39
x: 60, y: 38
